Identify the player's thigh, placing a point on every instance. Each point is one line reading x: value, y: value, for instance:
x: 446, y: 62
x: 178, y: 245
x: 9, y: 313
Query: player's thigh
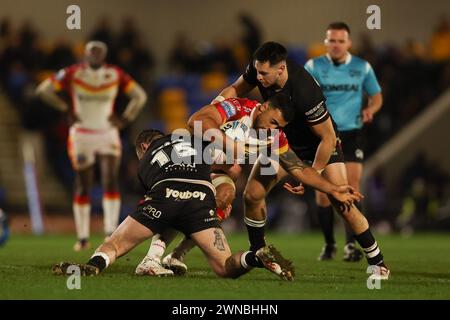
x: 84, y: 179
x: 109, y: 169
x: 213, y: 243
x: 336, y: 173
x: 129, y: 234
x: 354, y: 173
x: 263, y: 177
x: 81, y: 148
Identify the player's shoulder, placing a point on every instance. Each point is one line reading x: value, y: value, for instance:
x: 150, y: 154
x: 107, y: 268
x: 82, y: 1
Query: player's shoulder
x: 68, y: 72
x: 360, y: 63
x: 316, y: 62
x: 72, y: 68
x: 297, y: 73
x: 234, y: 108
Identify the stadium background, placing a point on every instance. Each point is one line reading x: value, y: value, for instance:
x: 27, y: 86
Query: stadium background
x: 184, y: 52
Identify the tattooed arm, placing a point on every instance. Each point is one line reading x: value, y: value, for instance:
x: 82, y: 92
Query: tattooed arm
x: 307, y: 175
x: 343, y: 193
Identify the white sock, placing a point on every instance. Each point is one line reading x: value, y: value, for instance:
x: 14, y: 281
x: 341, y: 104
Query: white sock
x: 157, y: 247
x: 111, y: 212
x: 82, y: 214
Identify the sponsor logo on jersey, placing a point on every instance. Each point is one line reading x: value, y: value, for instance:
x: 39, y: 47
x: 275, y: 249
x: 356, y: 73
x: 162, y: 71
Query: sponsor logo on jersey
x: 316, y: 112
x: 355, y: 73
x: 151, y: 212
x: 93, y: 98
x: 340, y: 87
x: 185, y: 195
x: 229, y: 108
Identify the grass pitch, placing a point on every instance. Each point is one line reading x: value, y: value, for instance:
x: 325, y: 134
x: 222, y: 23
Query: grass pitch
x: 420, y: 269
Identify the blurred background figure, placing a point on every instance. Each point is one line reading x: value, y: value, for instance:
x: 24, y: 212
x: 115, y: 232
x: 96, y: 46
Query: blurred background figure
x: 345, y: 79
x: 94, y: 134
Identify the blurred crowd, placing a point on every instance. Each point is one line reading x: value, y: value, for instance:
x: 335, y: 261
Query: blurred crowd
x: 411, y: 76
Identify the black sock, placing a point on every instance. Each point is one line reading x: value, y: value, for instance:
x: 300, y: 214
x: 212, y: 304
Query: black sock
x: 370, y: 247
x: 97, y: 261
x: 349, y: 234
x: 326, y: 220
x: 252, y: 260
x: 256, y: 232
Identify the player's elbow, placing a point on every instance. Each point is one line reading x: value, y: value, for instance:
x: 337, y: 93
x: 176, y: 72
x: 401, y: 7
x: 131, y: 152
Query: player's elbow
x: 140, y: 96
x: 42, y: 89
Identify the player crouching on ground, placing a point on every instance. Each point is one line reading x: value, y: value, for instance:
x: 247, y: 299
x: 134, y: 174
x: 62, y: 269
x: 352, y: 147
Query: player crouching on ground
x: 195, y: 215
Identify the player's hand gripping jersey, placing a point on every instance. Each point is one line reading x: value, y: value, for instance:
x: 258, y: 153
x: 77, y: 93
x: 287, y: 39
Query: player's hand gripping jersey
x: 237, y: 116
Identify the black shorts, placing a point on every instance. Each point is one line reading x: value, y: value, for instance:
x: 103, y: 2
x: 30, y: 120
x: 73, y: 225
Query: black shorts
x: 186, y: 207
x: 308, y: 155
x: 352, y: 145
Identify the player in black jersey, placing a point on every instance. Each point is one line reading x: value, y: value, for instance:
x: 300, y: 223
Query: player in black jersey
x: 312, y: 137
x: 180, y: 195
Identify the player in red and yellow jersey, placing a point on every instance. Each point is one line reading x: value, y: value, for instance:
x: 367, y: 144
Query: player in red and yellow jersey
x: 94, y: 135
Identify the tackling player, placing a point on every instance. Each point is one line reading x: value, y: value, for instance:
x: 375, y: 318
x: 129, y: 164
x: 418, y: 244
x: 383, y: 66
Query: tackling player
x: 94, y: 135
x: 179, y: 194
x: 312, y: 137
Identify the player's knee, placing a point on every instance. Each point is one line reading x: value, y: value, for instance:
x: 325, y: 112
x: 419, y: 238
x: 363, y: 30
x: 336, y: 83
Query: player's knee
x: 81, y: 192
x: 110, y: 186
x: 253, y: 196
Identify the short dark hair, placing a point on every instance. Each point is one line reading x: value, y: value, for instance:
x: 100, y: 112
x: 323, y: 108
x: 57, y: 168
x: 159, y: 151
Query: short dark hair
x: 282, y: 102
x: 339, y: 26
x: 270, y: 51
x: 147, y: 136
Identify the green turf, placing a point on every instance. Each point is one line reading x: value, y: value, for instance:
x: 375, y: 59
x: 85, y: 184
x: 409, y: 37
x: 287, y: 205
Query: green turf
x: 420, y: 268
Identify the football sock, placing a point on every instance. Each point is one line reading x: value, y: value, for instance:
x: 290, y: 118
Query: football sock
x: 82, y: 211
x: 99, y: 260
x: 370, y: 247
x: 326, y: 220
x: 256, y: 233
x: 250, y: 260
x: 111, y: 211
x: 157, y: 247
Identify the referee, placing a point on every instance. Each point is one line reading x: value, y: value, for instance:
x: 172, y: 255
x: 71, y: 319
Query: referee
x: 344, y: 80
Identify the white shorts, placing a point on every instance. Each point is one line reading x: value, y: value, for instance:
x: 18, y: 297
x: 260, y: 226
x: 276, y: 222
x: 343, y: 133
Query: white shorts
x: 84, y: 144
